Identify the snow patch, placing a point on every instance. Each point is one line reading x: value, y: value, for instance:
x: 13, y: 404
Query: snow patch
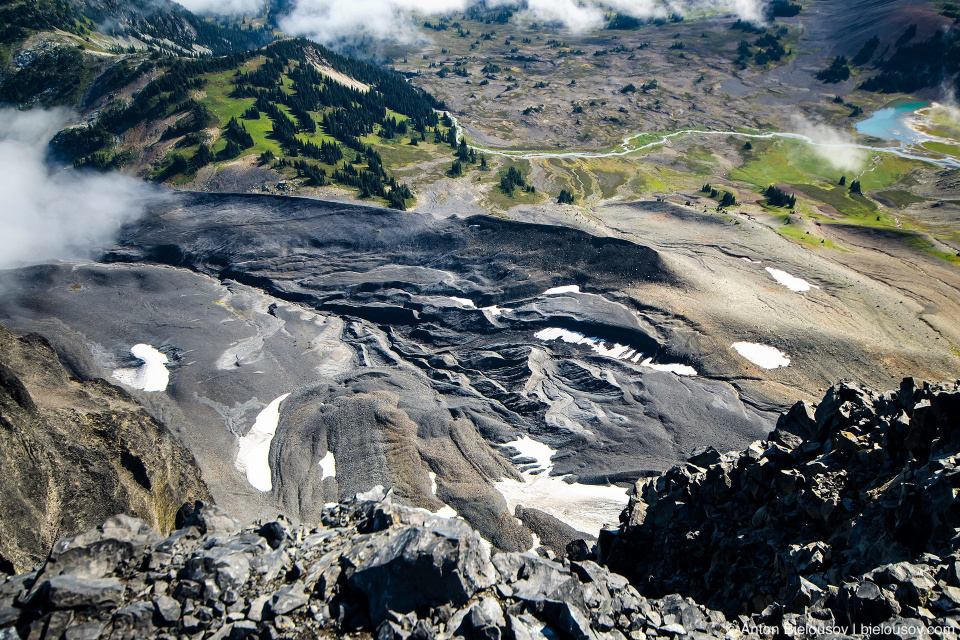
x: 537, y: 543
x: 567, y: 288
x: 599, y: 346
x: 464, y: 302
x: 679, y: 369
x: 446, y: 511
x: 328, y: 466
x: 746, y: 259
x: 584, y: 507
x: 789, y: 281
x: 762, y: 355
x: 493, y: 310
x: 152, y: 375
x: 530, y: 448
x: 615, y: 350
x: 253, y: 458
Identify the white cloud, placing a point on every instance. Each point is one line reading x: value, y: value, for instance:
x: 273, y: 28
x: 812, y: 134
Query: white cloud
x: 48, y: 214
x: 331, y: 21
x: 336, y: 22
x: 833, y: 146
x: 224, y: 7
x: 576, y: 16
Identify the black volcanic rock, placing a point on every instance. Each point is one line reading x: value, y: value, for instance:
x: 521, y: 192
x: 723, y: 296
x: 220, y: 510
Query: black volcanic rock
x: 848, y: 512
x: 446, y: 561
x: 377, y: 568
x: 380, y: 249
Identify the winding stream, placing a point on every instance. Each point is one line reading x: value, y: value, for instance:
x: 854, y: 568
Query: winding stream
x: 906, y: 148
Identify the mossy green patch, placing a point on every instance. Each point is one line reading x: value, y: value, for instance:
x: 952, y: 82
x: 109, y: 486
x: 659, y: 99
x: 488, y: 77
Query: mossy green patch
x: 942, y: 147
x: 887, y: 170
x: 399, y: 154
x: 794, y: 232
x: 840, y: 198
x: 900, y: 198
x: 223, y: 106
x: 922, y: 243
x: 786, y: 161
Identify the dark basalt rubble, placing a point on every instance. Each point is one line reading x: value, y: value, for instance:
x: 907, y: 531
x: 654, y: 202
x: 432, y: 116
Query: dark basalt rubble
x: 860, y: 541
x: 372, y: 569
x: 847, y: 515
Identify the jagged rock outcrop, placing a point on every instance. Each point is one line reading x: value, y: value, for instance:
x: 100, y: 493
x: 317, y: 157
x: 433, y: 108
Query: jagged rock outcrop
x: 73, y: 453
x: 846, y: 516
x: 373, y: 567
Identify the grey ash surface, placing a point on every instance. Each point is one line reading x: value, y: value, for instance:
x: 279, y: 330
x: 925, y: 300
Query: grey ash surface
x: 349, y: 309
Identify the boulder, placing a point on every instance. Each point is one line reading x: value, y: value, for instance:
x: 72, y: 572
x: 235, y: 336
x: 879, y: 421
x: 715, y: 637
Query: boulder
x: 211, y: 520
x: 485, y: 621
x: 400, y: 570
x: 569, y: 620
x: 72, y: 592
x: 287, y: 599
x: 168, y: 609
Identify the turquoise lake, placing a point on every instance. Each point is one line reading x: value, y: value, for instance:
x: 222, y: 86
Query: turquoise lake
x: 889, y: 123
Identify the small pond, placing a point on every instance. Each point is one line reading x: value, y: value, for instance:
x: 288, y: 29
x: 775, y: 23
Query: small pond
x: 890, y: 123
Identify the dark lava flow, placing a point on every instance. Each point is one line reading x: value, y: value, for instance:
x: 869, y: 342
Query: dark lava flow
x: 407, y: 344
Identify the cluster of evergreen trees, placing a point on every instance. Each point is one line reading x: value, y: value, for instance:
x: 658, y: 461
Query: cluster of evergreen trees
x: 237, y: 139
x: 928, y: 63
x: 512, y: 180
x: 396, y: 93
x: 866, y: 51
x: 838, y: 71
x: 76, y: 143
x: 777, y: 197
x: 724, y: 198
x: 746, y: 26
x: 783, y: 9
x: 370, y: 182
x: 768, y: 46
x: 398, y: 195
x: 315, y: 174
x: 627, y: 22
x: 55, y: 75
x: 158, y: 20
x: 463, y: 155
x: 565, y: 197
x: 197, y: 119
x: 348, y: 113
x: 170, y: 22
x: 166, y: 95
x: 17, y: 21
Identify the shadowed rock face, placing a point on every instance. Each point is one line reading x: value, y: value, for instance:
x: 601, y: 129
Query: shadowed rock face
x: 74, y: 452
x: 408, y: 346
x: 848, y: 511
